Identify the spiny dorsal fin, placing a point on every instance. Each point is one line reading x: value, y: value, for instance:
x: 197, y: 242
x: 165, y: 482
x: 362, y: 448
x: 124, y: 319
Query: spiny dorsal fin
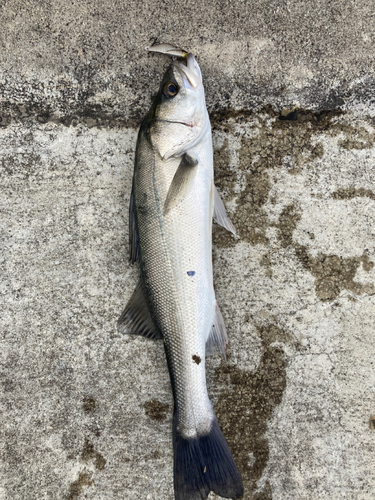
x: 136, y: 318
x: 218, y: 339
x: 220, y: 214
x: 181, y: 182
x: 134, y: 248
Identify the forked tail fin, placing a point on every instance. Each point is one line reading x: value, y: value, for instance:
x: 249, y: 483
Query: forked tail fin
x: 204, y: 464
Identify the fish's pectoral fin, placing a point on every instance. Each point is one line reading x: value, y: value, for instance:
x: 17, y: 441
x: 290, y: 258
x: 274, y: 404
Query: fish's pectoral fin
x: 134, y: 248
x: 217, y: 339
x: 220, y: 214
x: 181, y: 183
x: 136, y: 318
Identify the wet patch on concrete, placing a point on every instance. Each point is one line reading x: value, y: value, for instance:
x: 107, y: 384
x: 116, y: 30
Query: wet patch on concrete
x: 246, y: 405
x: 332, y: 273
x: 355, y: 137
x: 156, y: 410
x: 73, y: 109
x: 88, y: 405
x: 279, y: 140
x: 155, y: 455
x: 265, y: 262
x: 76, y: 488
x: 351, y: 192
x: 89, y: 453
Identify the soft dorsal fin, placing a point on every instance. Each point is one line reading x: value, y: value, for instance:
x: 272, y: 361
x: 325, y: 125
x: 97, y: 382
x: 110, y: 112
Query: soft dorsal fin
x: 220, y: 214
x: 218, y: 339
x: 136, y: 318
x: 134, y: 248
x: 181, y: 182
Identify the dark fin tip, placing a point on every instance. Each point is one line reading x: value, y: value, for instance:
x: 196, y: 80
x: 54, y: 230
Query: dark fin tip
x: 205, y: 464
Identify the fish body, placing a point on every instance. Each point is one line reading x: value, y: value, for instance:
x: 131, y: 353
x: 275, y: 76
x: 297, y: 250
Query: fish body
x: 172, y: 205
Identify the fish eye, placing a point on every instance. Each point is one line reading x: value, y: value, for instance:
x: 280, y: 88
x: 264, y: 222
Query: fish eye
x: 170, y: 89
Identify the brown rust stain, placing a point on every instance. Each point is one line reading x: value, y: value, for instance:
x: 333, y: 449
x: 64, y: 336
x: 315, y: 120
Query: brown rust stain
x: 76, y: 488
x: 156, y: 410
x: 332, y: 273
x: 246, y: 405
x: 89, y: 453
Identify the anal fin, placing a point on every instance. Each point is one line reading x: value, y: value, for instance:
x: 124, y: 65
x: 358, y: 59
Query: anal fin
x: 217, y: 340
x: 136, y: 318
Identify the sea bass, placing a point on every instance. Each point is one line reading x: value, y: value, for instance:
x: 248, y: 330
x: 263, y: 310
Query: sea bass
x: 172, y: 204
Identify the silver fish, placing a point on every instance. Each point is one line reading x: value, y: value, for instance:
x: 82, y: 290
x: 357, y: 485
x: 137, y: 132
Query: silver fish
x: 172, y: 204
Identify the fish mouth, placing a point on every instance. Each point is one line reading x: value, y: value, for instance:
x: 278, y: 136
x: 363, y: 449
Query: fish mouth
x: 190, y: 70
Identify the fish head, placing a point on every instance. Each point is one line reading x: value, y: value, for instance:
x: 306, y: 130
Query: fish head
x: 178, y: 117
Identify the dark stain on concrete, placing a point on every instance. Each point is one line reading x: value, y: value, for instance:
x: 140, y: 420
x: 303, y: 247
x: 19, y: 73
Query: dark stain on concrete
x: 367, y: 264
x: 76, y: 488
x: 265, y: 261
x: 79, y: 112
x: 88, y: 405
x: 356, y: 137
x: 265, y: 494
x: 284, y: 139
x: 196, y: 359
x: 156, y: 410
x: 332, y: 273
x: 352, y: 192
x: 287, y: 223
x: 89, y: 453
x: 155, y: 455
x: 246, y: 405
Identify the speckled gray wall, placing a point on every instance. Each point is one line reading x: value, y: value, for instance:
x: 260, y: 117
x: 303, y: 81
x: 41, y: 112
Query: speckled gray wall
x: 86, y: 413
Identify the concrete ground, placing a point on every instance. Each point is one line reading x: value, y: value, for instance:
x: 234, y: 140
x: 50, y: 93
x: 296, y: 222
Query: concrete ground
x: 86, y: 413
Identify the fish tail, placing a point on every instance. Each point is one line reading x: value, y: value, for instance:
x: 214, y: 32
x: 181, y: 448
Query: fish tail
x: 203, y: 464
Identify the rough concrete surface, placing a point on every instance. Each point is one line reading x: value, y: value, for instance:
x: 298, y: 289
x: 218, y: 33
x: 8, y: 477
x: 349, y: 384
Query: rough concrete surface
x: 86, y: 413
